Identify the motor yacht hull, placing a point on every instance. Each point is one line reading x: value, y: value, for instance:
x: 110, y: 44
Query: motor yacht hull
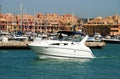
x: 71, y: 45
x: 70, y: 51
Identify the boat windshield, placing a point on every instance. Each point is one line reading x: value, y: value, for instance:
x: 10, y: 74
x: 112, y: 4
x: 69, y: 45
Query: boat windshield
x: 68, y: 36
x: 73, y: 38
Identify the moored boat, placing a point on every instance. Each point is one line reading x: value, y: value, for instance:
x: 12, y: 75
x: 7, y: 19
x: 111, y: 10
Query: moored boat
x: 112, y: 40
x: 115, y: 39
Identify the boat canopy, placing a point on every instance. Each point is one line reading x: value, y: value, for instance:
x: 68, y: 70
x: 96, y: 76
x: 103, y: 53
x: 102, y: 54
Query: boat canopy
x: 71, y: 33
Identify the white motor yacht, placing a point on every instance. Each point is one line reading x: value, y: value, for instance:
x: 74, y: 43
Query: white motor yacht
x: 69, y: 45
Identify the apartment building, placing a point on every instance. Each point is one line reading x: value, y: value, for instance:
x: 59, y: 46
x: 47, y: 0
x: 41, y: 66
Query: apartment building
x: 37, y: 23
x: 109, y: 25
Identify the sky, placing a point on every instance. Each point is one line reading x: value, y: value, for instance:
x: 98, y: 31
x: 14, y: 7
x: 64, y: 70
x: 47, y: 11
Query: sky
x: 80, y: 8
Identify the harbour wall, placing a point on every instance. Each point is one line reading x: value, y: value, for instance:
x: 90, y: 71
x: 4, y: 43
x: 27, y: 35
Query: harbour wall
x: 23, y: 44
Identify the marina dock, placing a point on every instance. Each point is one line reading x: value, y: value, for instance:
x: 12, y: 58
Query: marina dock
x: 23, y: 44
x: 14, y: 45
x: 95, y: 44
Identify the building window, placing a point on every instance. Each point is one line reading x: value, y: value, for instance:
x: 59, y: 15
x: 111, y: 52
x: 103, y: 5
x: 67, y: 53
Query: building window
x: 115, y: 26
x: 114, y: 30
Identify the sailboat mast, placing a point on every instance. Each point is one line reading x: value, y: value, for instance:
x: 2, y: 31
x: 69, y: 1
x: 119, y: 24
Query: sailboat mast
x: 34, y: 21
x: 72, y: 21
x: 45, y: 22
x: 21, y: 14
x: 0, y: 10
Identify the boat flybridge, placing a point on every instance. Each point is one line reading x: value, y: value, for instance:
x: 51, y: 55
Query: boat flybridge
x: 65, y: 44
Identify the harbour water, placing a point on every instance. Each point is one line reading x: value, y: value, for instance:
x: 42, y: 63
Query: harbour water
x: 23, y: 64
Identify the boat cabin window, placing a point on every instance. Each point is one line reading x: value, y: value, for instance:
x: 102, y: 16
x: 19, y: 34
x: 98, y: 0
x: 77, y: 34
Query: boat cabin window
x: 59, y: 44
